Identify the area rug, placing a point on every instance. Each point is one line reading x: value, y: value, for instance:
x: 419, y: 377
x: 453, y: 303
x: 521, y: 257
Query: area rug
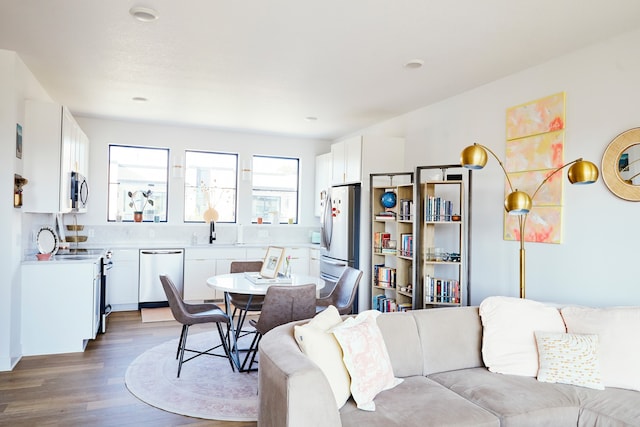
x: 207, y: 387
x: 160, y: 314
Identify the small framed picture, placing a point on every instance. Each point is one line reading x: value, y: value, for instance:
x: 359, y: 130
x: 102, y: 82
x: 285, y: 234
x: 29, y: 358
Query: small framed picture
x: 18, y: 140
x: 272, y: 261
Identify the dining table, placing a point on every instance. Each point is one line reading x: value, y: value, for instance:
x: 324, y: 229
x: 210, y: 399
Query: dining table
x: 248, y: 284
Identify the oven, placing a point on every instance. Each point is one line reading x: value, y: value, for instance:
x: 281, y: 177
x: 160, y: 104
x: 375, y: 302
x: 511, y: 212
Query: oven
x: 105, y: 309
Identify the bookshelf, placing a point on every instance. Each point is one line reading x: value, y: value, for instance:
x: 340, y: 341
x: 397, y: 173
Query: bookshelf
x: 392, y: 231
x: 442, y: 248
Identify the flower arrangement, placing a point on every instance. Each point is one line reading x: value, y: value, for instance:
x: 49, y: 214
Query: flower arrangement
x: 143, y: 197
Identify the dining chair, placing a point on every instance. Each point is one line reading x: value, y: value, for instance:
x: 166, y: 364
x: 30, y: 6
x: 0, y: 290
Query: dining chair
x: 243, y: 303
x: 191, y: 314
x: 343, y: 294
x: 282, y: 304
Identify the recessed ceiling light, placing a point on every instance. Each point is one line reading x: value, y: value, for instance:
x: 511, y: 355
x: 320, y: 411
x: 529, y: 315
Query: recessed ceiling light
x: 311, y: 118
x: 139, y: 99
x: 144, y: 14
x: 414, y: 63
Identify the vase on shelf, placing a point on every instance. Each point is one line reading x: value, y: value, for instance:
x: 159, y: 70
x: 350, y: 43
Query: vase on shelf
x: 137, y: 216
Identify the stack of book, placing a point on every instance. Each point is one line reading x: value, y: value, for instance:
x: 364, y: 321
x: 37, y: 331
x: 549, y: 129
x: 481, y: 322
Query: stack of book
x: 386, y: 216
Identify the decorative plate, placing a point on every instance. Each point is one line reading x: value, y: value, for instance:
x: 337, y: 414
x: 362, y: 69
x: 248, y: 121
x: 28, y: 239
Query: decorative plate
x: 47, y: 241
x: 388, y: 199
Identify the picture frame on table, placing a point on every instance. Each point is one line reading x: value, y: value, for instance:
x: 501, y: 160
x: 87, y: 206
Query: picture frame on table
x: 272, y: 261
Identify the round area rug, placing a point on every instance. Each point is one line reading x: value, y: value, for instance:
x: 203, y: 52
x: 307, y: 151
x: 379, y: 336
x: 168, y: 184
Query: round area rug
x: 207, y: 387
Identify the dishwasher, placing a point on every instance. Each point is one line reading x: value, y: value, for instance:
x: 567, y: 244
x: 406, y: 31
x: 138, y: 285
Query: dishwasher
x: 153, y: 263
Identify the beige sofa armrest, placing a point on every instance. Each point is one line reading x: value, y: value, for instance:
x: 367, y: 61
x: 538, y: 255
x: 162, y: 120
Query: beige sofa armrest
x: 293, y: 391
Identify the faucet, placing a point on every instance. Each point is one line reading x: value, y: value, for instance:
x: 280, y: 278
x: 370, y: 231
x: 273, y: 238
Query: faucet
x: 212, y: 231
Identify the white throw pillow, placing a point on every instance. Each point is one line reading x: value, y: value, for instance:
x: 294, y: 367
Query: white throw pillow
x: 508, y: 333
x: 366, y: 358
x: 618, y: 330
x: 320, y: 345
x: 569, y: 359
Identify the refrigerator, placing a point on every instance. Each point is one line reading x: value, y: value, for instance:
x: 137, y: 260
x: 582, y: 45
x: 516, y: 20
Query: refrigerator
x: 339, y: 233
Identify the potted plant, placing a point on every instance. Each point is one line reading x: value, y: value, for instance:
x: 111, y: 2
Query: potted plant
x: 139, y: 200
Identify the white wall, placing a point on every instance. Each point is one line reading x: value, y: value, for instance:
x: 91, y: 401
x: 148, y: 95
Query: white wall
x: 16, y: 84
x: 594, y: 263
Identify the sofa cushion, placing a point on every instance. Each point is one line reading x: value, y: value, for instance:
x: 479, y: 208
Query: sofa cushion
x: 418, y: 401
x: 450, y: 337
x: 569, y: 359
x: 517, y: 400
x: 405, y: 349
x: 320, y: 345
x: 612, y: 407
x: 366, y: 358
x: 618, y: 330
x: 508, y: 340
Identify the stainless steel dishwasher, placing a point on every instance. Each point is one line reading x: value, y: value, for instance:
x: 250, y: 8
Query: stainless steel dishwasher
x: 153, y: 263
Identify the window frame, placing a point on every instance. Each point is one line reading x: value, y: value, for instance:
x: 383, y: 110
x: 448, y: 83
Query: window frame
x: 282, y: 219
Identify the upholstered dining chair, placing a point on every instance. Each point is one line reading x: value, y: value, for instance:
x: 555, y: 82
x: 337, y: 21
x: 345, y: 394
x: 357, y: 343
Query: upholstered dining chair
x: 240, y: 302
x: 191, y: 314
x: 343, y: 294
x: 282, y: 304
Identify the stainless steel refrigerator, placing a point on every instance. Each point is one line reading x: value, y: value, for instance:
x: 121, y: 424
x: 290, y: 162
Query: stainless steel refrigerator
x: 340, y: 232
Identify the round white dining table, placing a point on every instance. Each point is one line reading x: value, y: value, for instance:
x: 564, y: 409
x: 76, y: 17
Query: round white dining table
x: 239, y: 283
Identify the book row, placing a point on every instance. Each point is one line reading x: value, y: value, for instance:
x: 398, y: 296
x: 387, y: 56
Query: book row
x: 384, y: 304
x: 438, y: 209
x: 384, y: 276
x: 406, y: 210
x: 438, y: 290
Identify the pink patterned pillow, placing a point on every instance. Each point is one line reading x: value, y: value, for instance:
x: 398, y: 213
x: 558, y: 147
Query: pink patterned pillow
x: 366, y: 358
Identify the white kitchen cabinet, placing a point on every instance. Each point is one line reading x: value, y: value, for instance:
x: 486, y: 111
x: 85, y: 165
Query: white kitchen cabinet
x: 299, y: 260
x: 314, y: 262
x: 202, y: 263
x: 60, y: 306
x: 346, y: 161
x: 122, y: 281
x: 54, y: 146
x: 323, y: 181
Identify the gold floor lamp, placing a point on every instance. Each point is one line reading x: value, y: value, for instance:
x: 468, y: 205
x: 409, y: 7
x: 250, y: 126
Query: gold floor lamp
x: 520, y: 203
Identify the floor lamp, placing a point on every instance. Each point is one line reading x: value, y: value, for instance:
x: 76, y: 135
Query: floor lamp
x: 518, y: 202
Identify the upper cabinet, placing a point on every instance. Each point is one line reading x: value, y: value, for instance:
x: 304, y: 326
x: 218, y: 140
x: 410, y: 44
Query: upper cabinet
x: 323, y: 181
x: 346, y: 157
x: 54, y: 146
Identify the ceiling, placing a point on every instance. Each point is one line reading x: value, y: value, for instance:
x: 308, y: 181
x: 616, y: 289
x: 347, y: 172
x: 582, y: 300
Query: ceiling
x: 266, y: 66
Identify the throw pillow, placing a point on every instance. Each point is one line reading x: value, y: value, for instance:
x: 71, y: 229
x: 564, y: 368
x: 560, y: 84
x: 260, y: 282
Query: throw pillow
x: 320, y: 345
x: 366, y: 358
x: 508, y: 340
x: 618, y: 330
x: 569, y: 359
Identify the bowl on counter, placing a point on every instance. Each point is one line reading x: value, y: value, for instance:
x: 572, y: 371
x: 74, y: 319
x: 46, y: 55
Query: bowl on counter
x: 75, y: 239
x: 44, y: 257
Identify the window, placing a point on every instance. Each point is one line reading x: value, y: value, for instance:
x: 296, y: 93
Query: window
x: 275, y: 189
x: 137, y: 170
x: 210, y: 186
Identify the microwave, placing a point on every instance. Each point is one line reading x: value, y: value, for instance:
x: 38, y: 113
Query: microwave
x: 79, y: 192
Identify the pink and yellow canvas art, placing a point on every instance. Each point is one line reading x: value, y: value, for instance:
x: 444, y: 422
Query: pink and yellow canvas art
x: 550, y: 194
x: 537, y: 152
x: 543, y: 225
x: 536, y: 117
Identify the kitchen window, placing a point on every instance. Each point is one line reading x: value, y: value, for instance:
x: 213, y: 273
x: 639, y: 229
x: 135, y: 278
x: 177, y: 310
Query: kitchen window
x: 275, y: 189
x: 210, y: 186
x: 142, y: 172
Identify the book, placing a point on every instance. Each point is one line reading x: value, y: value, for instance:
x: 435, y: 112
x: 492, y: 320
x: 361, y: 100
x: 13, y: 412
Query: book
x: 259, y: 280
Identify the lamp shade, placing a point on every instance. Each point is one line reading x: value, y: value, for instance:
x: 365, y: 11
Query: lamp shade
x: 583, y: 172
x: 518, y: 203
x: 473, y: 157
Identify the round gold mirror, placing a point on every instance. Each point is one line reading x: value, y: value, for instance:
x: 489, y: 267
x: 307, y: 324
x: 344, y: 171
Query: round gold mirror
x: 621, y: 165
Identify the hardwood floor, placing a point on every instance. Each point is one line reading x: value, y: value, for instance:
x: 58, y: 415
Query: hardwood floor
x: 88, y: 389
